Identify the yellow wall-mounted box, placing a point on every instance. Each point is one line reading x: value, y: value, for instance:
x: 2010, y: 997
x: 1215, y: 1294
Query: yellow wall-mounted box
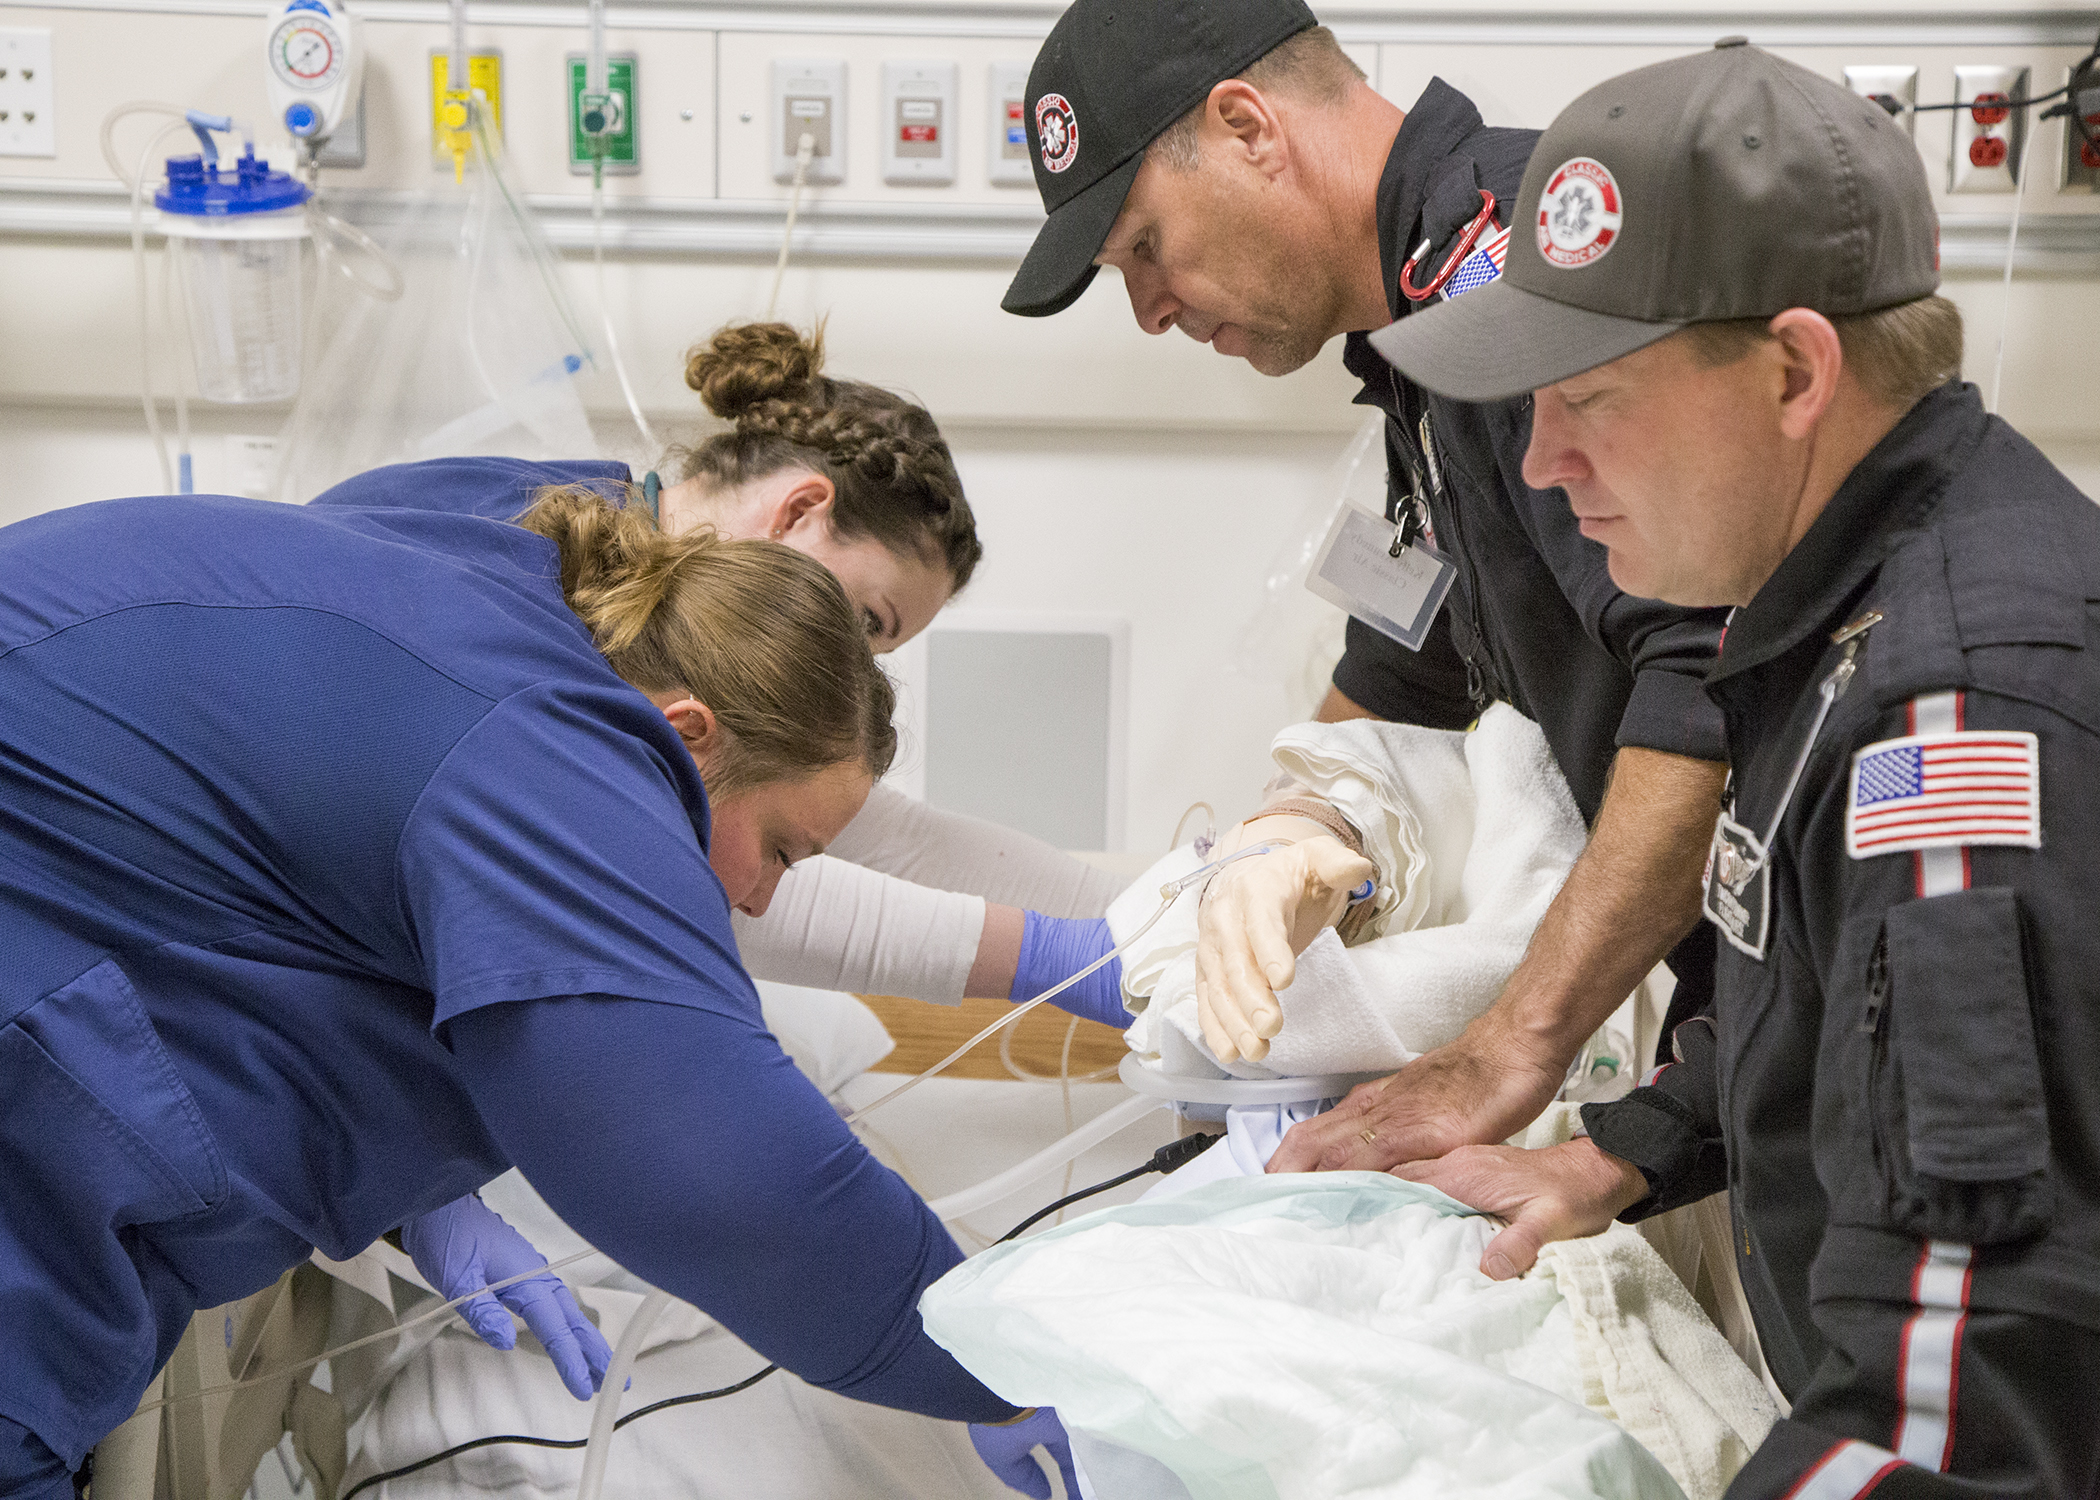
x: 447, y: 111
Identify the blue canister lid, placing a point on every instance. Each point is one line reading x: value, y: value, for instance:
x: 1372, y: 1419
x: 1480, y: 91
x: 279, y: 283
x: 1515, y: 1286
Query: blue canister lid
x: 246, y: 187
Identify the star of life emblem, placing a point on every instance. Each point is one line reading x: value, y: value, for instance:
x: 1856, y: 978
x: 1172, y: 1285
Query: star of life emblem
x: 1057, y: 128
x: 1579, y: 213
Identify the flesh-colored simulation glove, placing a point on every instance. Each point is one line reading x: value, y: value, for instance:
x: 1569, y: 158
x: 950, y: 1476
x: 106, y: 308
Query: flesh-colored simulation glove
x: 465, y: 1245
x: 1008, y: 1451
x: 1053, y: 949
x: 1257, y: 915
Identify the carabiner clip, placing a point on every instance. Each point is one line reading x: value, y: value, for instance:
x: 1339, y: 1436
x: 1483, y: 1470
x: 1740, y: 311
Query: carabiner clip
x: 1466, y: 241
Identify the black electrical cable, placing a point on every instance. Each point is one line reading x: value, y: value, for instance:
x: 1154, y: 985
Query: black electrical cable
x: 1896, y: 106
x: 526, y: 1440
x: 1167, y: 1158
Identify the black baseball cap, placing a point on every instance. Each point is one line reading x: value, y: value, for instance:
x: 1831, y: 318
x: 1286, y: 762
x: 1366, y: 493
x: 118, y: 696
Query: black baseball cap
x: 1111, y: 77
x: 1726, y: 184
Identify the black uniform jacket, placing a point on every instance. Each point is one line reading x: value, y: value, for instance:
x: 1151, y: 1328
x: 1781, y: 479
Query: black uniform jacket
x: 1903, y: 1094
x: 1533, y: 617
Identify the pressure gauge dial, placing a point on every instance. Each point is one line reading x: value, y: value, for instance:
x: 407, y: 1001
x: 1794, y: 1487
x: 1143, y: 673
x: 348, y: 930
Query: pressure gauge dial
x: 306, y: 52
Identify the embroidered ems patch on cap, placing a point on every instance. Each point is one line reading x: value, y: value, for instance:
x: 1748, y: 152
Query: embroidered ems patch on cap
x: 1936, y: 791
x: 1058, y: 130
x: 1579, y: 213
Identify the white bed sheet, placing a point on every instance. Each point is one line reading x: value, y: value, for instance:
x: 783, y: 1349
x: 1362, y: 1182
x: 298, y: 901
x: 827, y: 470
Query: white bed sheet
x: 781, y: 1440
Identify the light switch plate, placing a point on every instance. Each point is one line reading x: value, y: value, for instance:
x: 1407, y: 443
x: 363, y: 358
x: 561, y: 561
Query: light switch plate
x: 1988, y: 139
x: 2081, y: 168
x: 1896, y: 82
x: 809, y: 94
x: 1008, y: 137
x: 918, y: 123
x: 26, y: 97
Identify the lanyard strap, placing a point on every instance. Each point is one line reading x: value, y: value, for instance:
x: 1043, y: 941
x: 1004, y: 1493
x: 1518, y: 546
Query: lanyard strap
x: 1830, y: 690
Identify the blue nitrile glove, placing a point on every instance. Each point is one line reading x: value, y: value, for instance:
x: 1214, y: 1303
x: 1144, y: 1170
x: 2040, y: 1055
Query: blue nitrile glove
x: 1053, y: 949
x: 465, y: 1245
x: 1006, y: 1450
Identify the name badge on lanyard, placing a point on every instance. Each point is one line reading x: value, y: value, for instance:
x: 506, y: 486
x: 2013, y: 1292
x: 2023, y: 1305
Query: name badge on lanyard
x: 1388, y: 575
x: 1739, y: 886
x: 1394, y: 589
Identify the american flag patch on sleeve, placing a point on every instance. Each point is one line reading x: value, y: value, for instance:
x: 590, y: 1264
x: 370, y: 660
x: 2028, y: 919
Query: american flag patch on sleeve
x: 1937, y: 791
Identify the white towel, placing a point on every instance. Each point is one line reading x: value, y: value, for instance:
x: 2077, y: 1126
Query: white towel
x: 1472, y: 834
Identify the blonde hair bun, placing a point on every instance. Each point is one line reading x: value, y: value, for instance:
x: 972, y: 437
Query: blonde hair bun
x: 747, y: 364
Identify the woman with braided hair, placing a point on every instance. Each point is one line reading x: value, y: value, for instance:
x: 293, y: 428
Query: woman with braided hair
x: 909, y: 900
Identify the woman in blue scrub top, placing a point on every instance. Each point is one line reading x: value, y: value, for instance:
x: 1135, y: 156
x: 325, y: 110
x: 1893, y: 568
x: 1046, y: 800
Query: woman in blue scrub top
x: 349, y: 856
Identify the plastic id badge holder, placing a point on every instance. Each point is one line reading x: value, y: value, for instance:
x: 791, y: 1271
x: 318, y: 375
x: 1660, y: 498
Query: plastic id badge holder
x: 1396, y: 595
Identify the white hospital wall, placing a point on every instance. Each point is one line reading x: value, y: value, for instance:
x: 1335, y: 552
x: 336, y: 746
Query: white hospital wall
x: 1113, y: 474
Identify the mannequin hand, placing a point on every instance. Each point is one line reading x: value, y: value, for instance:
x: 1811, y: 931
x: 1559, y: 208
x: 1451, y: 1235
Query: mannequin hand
x: 1007, y: 1448
x: 1257, y: 915
x: 1561, y: 1193
x: 465, y: 1245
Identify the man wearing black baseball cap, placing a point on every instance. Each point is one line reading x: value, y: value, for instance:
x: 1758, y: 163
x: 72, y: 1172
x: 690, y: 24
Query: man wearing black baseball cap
x: 1723, y: 299
x: 1228, y: 159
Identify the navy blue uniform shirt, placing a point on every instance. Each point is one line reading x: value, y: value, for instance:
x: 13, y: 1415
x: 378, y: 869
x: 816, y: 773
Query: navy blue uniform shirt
x: 339, y: 872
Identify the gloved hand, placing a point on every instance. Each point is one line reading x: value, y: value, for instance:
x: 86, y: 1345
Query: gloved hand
x: 1053, y: 949
x: 1006, y: 1450
x: 465, y: 1245
x: 1257, y: 915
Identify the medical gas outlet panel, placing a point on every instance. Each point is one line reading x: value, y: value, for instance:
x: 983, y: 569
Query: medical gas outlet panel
x: 945, y: 120
x: 918, y: 123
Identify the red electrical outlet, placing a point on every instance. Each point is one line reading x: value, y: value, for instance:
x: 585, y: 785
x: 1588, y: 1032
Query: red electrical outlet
x: 1987, y: 151
x: 1991, y: 108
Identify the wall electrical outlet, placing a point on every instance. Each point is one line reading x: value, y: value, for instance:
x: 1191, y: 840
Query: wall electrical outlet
x: 809, y: 95
x: 485, y: 74
x: 604, y: 124
x: 1990, y: 136
x: 1010, y: 166
x: 2081, y: 172
x: 26, y: 124
x: 1882, y: 83
x: 918, y: 123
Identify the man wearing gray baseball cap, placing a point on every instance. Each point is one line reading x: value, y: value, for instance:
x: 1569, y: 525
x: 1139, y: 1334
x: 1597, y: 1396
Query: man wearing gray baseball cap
x: 1723, y: 303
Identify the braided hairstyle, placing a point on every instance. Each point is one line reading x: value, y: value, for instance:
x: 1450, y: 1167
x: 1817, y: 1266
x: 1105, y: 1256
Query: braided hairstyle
x: 893, y: 476
x: 758, y: 632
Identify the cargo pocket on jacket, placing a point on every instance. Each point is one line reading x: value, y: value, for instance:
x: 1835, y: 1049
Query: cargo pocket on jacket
x: 1961, y: 1027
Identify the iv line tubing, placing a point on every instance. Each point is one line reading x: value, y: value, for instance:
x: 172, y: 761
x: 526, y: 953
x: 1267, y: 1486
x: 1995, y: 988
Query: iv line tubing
x: 300, y: 1366
x: 612, y: 339
x: 605, y: 1410
x: 137, y: 184
x: 2012, y: 241
x: 1169, y: 894
x: 805, y: 152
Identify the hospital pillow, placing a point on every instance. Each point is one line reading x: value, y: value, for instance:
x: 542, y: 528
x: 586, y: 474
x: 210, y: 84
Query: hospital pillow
x: 832, y: 1037
x: 1270, y: 1338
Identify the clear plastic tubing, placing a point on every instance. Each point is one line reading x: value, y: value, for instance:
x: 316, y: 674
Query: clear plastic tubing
x: 1168, y: 895
x: 456, y: 65
x: 594, y: 60
x: 605, y: 1411
x: 1046, y: 1161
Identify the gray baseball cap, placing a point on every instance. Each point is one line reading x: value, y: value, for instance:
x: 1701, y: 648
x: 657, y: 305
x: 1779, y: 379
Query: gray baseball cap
x: 1727, y: 184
